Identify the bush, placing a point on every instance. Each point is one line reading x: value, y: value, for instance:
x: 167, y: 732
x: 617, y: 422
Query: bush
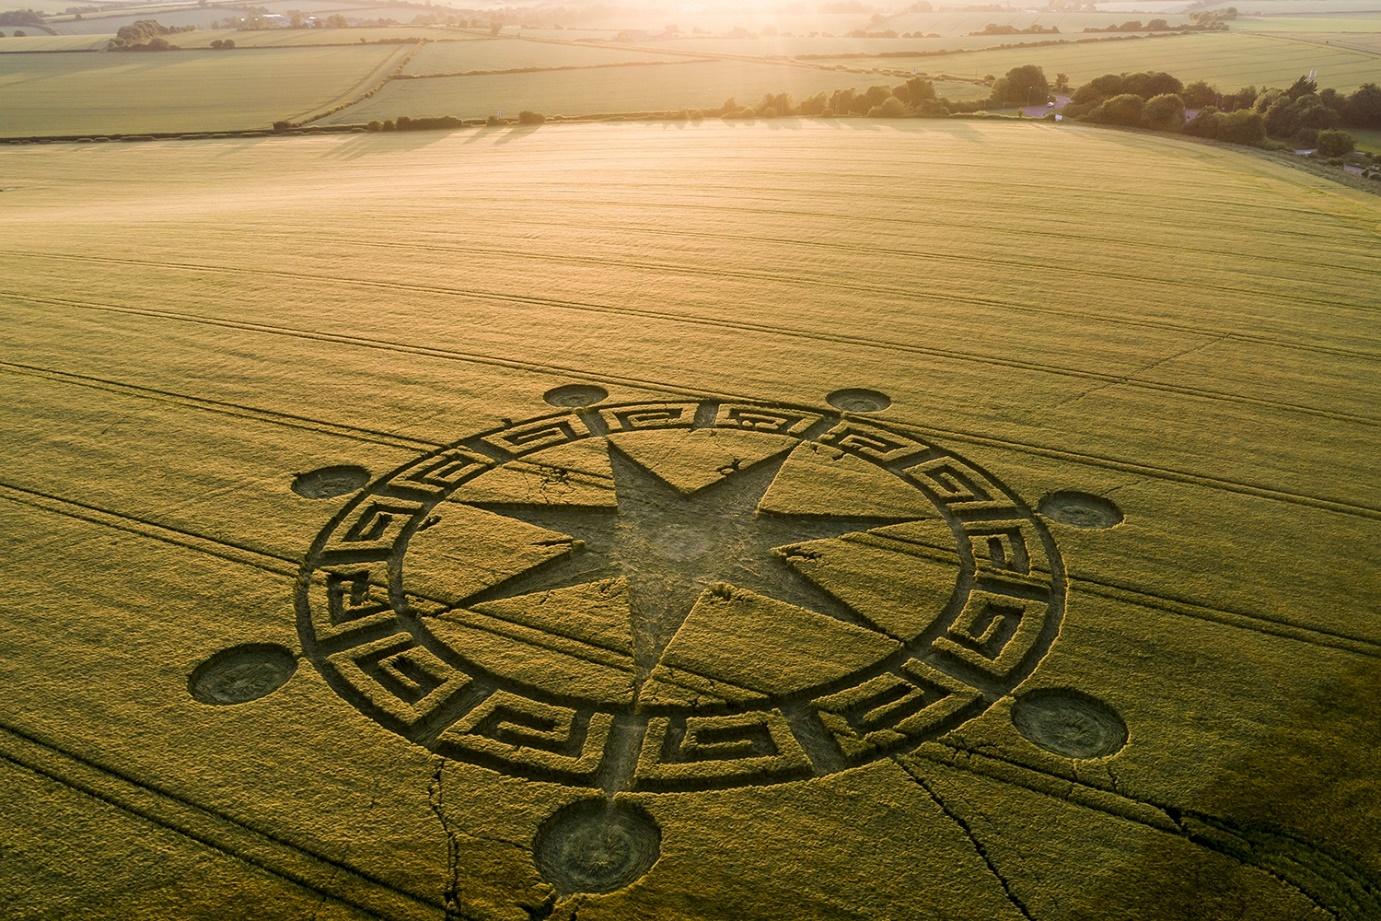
x: 932, y: 108
x: 1164, y: 113
x: 492, y: 121
x: 280, y: 127
x: 531, y: 118
x: 1334, y: 143
x: 1124, y: 109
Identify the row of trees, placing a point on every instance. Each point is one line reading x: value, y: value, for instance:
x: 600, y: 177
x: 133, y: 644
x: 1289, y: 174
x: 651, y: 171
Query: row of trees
x: 146, y: 35
x: 913, y: 99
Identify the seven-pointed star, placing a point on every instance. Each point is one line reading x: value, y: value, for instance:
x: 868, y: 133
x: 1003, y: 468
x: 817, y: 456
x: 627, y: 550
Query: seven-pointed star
x: 672, y: 546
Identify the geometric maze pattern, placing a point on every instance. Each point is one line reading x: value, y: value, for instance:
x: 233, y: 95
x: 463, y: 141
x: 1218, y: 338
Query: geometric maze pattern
x: 368, y: 634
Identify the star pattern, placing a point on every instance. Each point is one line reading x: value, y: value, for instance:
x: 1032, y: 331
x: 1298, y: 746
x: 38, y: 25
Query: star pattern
x: 672, y: 546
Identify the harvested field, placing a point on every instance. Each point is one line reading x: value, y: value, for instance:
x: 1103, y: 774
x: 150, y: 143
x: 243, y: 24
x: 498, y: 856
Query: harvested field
x: 723, y: 521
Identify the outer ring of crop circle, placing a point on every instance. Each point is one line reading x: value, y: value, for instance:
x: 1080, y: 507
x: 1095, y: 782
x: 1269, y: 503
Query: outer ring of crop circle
x: 1027, y: 662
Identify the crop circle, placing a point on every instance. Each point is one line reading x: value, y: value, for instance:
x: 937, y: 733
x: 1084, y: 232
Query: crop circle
x: 330, y: 482
x: 1069, y: 723
x: 575, y: 395
x: 595, y: 845
x: 242, y: 673
x: 1080, y: 509
x: 648, y: 627
x: 859, y: 400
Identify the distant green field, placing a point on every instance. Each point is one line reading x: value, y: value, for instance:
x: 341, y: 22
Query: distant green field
x: 105, y: 24
x: 960, y: 22
x: 510, y: 53
x: 786, y: 47
x: 289, y: 38
x: 63, y: 94
x: 33, y: 42
x: 1369, y: 42
x: 608, y: 90
x: 1299, y: 7
x: 1369, y: 141
x: 1223, y: 59
x: 1340, y: 22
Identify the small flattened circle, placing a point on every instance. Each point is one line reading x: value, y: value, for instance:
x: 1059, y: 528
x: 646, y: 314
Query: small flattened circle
x: 329, y: 482
x: 1080, y: 509
x: 575, y: 395
x: 242, y: 673
x: 1069, y: 723
x: 594, y: 845
x: 859, y: 400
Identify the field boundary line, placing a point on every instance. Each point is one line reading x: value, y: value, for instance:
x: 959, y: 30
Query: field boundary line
x: 1167, y: 604
x: 1104, y: 379
x: 235, y: 410
x: 265, y: 851
x: 552, y: 370
x: 362, y: 89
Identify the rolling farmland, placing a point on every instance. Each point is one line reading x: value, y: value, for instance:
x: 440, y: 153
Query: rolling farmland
x: 1226, y: 60
x: 312, y: 484
x: 638, y: 88
x: 511, y: 54
x: 70, y: 94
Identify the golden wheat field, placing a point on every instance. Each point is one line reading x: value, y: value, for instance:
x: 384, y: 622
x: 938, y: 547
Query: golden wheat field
x: 783, y: 520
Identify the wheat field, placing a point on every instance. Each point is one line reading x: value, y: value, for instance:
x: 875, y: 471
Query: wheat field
x: 1078, y: 426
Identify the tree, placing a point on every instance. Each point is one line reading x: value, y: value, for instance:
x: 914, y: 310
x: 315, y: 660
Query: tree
x: 1025, y: 85
x: 1302, y: 87
x: 336, y: 21
x: 1163, y: 113
x: 1363, y: 107
x: 1199, y: 94
x: 1335, y: 143
x: 1242, y: 127
x: 1124, y: 109
x: 1061, y: 83
x: 1098, y: 89
x: 1205, y: 124
x: 915, y: 90
x: 891, y: 107
x: 1150, y: 83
